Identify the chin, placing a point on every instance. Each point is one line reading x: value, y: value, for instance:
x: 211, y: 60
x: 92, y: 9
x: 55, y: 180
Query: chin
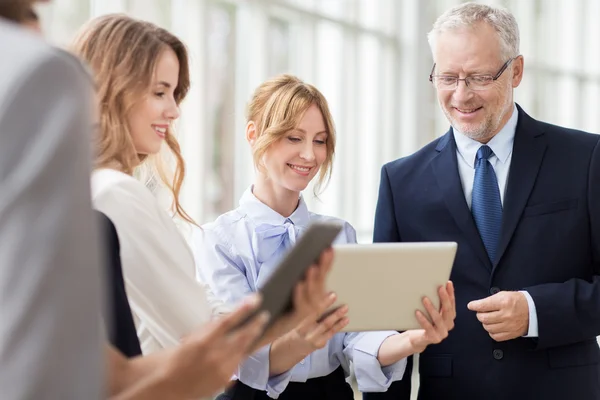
x: 295, y: 186
x: 154, y: 150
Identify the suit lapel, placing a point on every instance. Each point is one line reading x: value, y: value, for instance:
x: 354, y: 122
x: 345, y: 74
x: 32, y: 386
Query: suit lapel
x: 528, y: 151
x: 445, y: 169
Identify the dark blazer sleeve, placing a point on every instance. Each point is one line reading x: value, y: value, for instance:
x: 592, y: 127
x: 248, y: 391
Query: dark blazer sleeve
x: 386, y: 230
x: 121, y: 328
x: 569, y: 312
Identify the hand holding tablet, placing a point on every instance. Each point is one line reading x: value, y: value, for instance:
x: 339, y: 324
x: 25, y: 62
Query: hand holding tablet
x: 383, y: 284
x: 288, y: 278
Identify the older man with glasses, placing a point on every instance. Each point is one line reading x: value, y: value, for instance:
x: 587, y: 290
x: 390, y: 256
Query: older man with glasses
x: 522, y: 199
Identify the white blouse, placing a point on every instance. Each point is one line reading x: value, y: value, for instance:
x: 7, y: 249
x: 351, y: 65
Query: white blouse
x: 166, y: 301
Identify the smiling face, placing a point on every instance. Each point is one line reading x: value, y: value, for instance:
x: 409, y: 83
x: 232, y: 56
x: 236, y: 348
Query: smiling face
x: 295, y: 159
x: 151, y: 117
x: 464, y: 52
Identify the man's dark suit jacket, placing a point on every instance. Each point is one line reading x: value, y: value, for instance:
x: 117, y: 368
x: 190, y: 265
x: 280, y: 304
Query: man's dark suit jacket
x: 119, y: 321
x: 549, y: 246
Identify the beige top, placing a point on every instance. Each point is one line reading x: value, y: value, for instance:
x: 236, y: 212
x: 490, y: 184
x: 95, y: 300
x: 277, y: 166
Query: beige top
x: 158, y: 266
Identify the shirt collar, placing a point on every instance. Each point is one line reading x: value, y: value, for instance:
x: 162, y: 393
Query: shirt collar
x: 501, y: 144
x: 261, y: 213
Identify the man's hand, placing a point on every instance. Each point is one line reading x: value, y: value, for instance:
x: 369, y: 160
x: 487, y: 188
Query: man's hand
x: 504, y: 316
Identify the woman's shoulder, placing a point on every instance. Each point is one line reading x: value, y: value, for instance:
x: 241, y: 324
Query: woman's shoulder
x: 314, y: 217
x: 223, y: 230
x: 225, y: 220
x: 109, y: 180
x: 116, y: 193
x: 348, y: 233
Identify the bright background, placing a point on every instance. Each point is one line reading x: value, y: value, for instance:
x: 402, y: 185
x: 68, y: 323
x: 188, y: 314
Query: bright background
x: 371, y: 60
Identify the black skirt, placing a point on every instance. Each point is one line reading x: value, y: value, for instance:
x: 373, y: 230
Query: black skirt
x: 332, y: 386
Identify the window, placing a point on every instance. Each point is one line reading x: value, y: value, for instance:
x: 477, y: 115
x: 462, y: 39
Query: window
x: 369, y: 58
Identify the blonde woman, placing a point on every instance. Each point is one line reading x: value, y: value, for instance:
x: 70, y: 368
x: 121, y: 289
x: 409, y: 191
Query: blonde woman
x: 142, y: 76
x: 292, y: 137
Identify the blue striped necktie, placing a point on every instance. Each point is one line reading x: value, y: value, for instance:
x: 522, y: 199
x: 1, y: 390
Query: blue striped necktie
x: 486, y: 205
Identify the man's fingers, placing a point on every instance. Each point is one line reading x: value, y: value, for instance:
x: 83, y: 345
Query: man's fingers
x: 501, y: 337
x: 491, y: 303
x: 495, y: 328
x: 494, y: 317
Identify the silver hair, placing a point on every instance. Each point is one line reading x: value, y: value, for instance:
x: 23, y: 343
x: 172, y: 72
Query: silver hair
x: 469, y: 14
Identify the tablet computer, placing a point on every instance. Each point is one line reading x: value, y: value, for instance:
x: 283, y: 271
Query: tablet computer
x: 383, y: 284
x: 277, y: 292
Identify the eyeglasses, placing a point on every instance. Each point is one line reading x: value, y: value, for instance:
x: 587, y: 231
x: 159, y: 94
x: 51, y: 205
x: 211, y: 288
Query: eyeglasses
x: 473, y: 82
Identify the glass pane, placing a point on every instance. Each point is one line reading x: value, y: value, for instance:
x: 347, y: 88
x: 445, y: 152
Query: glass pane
x: 305, y: 4
x: 590, y: 104
x: 591, y: 39
x: 100, y: 7
x: 567, y: 101
x: 547, y: 104
x: 155, y: 11
x: 220, y: 102
x: 329, y: 51
x: 389, y: 15
x: 368, y: 13
x: 279, y: 43
x: 388, y: 148
x: 366, y: 137
x: 338, y: 9
x: 60, y: 19
x: 570, y: 35
x: 547, y: 35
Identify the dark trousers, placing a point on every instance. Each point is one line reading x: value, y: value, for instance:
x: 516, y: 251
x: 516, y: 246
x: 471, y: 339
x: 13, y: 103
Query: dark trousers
x: 332, y: 386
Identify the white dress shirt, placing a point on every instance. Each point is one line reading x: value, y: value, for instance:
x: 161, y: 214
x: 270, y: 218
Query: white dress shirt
x: 158, y: 266
x: 235, y: 256
x: 51, y: 338
x: 502, y: 146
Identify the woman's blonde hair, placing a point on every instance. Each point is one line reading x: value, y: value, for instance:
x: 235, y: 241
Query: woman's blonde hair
x: 123, y: 53
x: 277, y: 107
